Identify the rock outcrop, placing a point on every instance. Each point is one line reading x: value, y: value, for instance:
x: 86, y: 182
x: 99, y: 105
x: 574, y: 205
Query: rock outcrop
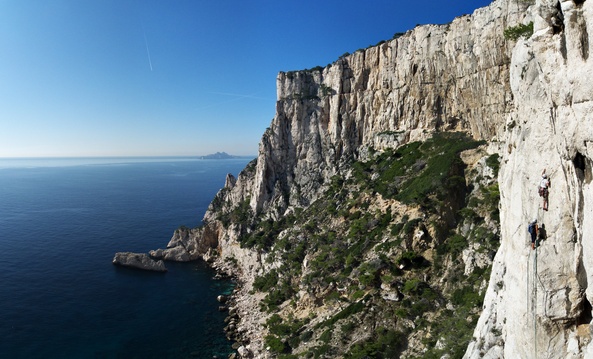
x: 139, y: 260
x: 530, y: 99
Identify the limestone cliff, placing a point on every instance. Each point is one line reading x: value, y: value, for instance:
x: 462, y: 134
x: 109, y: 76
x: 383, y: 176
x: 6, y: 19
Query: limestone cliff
x: 445, y: 77
x: 541, y: 306
x: 530, y: 99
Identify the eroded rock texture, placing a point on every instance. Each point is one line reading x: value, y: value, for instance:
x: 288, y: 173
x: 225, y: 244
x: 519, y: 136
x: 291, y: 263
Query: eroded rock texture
x: 531, y: 99
x: 541, y: 306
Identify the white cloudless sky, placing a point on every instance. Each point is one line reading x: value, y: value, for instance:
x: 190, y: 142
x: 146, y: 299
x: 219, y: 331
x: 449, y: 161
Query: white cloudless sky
x: 176, y: 77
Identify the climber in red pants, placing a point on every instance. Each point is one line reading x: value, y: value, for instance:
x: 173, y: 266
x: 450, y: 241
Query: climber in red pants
x: 544, y: 185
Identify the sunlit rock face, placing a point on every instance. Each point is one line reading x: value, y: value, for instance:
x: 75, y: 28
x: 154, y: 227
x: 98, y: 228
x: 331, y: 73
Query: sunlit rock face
x: 432, y: 78
x: 435, y: 77
x: 531, y: 99
x: 538, y: 302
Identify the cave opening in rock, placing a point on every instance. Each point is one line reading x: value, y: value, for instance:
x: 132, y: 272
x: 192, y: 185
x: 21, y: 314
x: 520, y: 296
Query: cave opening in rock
x: 586, y: 316
x: 582, y: 166
x: 579, y: 162
x: 557, y: 20
x: 578, y: 2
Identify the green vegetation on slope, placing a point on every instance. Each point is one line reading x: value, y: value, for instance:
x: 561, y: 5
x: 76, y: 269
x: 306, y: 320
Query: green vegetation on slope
x: 377, y: 258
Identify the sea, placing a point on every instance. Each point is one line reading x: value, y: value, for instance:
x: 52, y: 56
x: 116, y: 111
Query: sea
x: 61, y: 222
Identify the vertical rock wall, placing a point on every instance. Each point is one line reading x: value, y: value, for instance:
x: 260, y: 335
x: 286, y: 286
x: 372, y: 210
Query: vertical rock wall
x: 538, y: 302
x: 435, y: 77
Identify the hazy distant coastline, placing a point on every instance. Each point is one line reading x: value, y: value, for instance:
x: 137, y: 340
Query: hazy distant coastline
x: 220, y: 156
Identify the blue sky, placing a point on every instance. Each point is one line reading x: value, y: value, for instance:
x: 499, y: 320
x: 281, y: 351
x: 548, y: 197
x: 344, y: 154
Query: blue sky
x: 176, y: 77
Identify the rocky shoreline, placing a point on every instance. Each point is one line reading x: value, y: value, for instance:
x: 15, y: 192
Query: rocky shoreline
x: 241, y: 327
x: 240, y: 343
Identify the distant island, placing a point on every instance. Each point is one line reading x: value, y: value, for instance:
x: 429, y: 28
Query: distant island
x: 219, y: 156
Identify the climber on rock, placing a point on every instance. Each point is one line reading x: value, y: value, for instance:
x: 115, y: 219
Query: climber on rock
x: 541, y: 234
x: 532, y: 229
x: 544, y: 185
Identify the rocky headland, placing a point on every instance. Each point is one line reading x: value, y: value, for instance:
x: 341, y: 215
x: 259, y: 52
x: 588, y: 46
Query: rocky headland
x: 386, y: 212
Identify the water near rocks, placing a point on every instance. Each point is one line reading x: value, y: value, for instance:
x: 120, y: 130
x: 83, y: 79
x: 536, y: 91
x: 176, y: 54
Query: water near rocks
x: 62, y: 220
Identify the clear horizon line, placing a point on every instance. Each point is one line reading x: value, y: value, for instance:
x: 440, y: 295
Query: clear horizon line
x: 115, y: 156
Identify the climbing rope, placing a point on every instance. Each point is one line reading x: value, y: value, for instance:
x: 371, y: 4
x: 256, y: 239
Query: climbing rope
x: 532, y: 289
x: 535, y: 302
x: 536, y: 278
x: 527, y: 287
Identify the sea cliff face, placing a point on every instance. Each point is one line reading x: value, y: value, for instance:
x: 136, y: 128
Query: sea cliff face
x: 529, y: 101
x: 542, y: 306
x: 435, y: 77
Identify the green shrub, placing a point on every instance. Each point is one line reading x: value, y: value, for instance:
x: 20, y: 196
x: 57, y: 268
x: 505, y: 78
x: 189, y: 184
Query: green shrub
x: 456, y: 244
x: 242, y: 213
x: 385, y: 344
x: 358, y: 294
x: 277, y: 327
x: 418, y: 308
x: 266, y: 282
x: 412, y: 286
x: 417, y: 170
x: 367, y: 279
x: 278, y: 296
x: 521, y: 30
x: 467, y: 297
x: 468, y: 213
x: 345, y: 313
x: 306, y: 335
x: 326, y: 336
x: 493, y: 161
x: 275, y: 344
x: 325, y: 90
x: 348, y: 328
x: 401, y: 312
x: 409, y: 226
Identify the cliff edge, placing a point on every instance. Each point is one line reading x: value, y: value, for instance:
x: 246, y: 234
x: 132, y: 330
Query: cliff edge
x: 403, y: 249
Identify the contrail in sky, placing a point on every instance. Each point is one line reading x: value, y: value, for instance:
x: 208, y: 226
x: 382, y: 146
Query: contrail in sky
x: 147, y: 51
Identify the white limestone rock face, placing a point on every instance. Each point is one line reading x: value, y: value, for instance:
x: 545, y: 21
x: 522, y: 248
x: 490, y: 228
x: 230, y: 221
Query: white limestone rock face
x: 435, y: 77
x: 541, y: 299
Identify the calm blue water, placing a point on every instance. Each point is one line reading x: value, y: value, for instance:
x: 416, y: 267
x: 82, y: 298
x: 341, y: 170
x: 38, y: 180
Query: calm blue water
x: 62, y: 220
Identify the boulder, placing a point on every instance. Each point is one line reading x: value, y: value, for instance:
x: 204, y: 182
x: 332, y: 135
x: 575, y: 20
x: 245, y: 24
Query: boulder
x: 139, y: 260
x: 244, y: 352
